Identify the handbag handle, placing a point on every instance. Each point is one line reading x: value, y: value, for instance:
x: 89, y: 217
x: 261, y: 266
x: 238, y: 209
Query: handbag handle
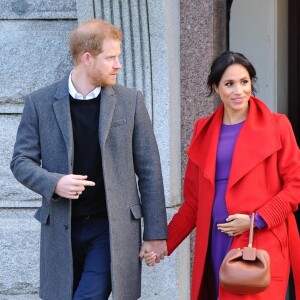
x: 251, y: 233
x: 249, y: 253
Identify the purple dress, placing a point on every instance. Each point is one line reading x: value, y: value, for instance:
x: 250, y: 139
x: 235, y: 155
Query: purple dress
x: 220, y: 242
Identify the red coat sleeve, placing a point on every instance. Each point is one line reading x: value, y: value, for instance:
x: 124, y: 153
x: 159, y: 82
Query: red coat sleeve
x: 184, y: 221
x: 281, y: 205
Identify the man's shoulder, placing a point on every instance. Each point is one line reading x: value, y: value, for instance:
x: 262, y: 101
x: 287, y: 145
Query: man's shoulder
x: 124, y: 91
x: 44, y: 90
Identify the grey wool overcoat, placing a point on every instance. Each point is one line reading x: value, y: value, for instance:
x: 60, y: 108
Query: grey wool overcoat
x: 43, y: 153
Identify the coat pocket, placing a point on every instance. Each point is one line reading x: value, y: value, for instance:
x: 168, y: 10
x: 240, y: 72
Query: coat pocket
x: 118, y: 122
x: 136, y: 211
x: 42, y: 215
x: 280, y: 232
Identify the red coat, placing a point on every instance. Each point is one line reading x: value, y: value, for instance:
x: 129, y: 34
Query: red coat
x: 264, y: 178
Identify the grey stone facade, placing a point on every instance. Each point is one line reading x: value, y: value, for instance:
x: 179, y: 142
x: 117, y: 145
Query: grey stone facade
x: 167, y: 48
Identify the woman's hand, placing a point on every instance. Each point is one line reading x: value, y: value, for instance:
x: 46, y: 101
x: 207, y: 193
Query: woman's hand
x: 150, y: 258
x: 236, y: 224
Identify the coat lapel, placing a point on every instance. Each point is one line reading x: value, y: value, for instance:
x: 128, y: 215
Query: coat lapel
x: 63, y: 115
x: 107, y: 107
x: 203, y: 147
x: 258, y: 139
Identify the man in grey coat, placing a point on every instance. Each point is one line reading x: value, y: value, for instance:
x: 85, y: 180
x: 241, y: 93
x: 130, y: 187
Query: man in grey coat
x: 86, y: 145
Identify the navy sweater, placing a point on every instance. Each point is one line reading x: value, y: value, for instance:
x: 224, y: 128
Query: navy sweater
x: 87, y: 156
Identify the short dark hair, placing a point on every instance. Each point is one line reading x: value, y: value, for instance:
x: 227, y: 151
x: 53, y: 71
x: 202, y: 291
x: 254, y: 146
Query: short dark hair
x: 222, y: 62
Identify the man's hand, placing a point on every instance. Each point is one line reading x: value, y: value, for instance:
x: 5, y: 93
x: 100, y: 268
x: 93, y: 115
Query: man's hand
x: 71, y: 186
x: 157, y: 247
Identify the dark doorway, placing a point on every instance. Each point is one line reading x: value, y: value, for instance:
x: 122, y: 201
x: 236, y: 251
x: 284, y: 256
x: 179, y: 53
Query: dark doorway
x: 294, y: 71
x: 294, y: 66
x: 294, y: 86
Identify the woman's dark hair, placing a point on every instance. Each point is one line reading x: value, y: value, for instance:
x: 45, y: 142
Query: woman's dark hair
x: 222, y: 62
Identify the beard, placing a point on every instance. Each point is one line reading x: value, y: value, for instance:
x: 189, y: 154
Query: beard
x: 100, y: 79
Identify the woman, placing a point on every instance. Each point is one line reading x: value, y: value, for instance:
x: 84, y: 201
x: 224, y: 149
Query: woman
x: 242, y: 159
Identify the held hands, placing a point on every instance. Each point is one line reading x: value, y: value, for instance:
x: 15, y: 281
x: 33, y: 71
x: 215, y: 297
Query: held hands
x: 71, y: 186
x: 153, y: 251
x: 150, y: 258
x: 236, y: 224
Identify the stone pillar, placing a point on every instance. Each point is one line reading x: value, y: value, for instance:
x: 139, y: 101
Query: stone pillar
x: 203, y: 37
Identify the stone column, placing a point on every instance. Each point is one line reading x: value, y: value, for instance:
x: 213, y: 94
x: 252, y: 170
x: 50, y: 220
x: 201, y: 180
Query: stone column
x: 203, y: 37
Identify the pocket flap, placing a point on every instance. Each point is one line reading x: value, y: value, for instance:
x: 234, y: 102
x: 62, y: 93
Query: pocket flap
x: 42, y: 215
x: 136, y: 211
x: 118, y: 122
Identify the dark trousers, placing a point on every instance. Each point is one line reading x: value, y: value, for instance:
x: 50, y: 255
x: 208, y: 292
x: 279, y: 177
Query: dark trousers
x: 91, y: 258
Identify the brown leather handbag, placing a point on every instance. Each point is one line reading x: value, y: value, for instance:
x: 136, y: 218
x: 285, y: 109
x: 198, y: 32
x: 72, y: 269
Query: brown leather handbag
x: 247, y: 270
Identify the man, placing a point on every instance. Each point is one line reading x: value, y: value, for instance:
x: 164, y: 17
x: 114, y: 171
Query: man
x: 83, y: 143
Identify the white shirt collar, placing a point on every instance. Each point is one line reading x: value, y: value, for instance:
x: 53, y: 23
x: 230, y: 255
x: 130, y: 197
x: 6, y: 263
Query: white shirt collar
x: 91, y: 95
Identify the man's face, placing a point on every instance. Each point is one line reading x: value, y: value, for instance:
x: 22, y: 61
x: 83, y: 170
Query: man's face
x: 106, y: 65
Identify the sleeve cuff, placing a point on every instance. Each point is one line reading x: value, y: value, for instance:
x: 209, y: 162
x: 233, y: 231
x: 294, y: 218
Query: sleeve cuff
x: 259, y: 221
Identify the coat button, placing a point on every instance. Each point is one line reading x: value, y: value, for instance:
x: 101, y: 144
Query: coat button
x: 66, y: 226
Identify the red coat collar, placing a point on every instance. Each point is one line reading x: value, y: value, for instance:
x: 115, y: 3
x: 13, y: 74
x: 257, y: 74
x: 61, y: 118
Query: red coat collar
x: 258, y: 139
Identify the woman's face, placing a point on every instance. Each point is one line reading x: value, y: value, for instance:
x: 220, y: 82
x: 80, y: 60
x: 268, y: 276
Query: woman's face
x: 235, y: 90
